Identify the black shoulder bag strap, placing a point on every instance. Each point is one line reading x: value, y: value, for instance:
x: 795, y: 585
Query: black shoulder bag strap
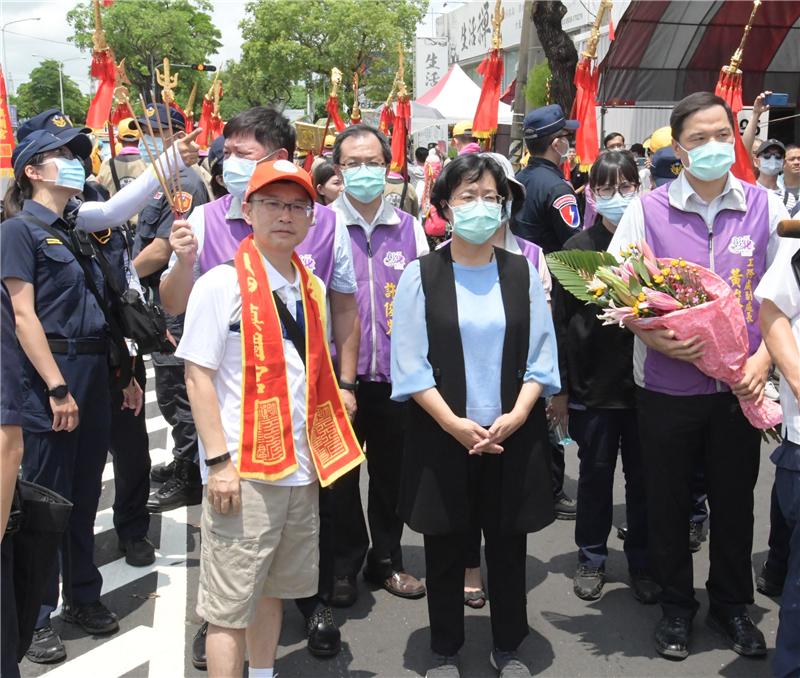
x: 296, y: 334
x: 112, y: 164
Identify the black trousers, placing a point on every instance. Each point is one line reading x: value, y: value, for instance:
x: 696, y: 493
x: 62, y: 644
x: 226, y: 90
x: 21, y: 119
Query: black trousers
x: 558, y: 464
x: 310, y: 605
x: 379, y: 427
x: 445, y: 560
x: 699, y: 496
x: 676, y: 432
x: 780, y: 534
x: 173, y: 402
x: 9, y: 629
x: 130, y: 451
x: 601, y: 434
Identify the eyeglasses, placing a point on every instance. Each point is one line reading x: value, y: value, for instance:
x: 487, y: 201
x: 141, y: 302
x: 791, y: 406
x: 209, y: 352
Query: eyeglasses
x: 274, y: 206
x: 625, y: 189
x: 465, y: 198
x: 354, y: 165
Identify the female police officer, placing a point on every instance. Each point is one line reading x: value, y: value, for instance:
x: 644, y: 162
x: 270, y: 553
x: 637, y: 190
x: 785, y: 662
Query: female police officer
x: 63, y: 332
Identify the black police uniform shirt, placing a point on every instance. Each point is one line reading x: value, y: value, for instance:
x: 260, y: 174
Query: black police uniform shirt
x: 12, y: 394
x: 550, y: 215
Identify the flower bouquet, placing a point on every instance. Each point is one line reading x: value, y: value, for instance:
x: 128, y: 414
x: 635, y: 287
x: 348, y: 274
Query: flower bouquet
x: 669, y: 294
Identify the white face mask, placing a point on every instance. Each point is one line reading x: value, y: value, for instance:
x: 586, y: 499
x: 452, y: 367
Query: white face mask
x: 770, y: 166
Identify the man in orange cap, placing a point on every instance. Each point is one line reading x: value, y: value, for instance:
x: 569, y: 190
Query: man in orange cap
x: 271, y: 423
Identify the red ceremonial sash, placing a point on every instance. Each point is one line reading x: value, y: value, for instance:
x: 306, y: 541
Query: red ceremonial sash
x: 266, y: 447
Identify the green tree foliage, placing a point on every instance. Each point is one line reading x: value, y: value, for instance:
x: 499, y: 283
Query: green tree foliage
x: 287, y: 43
x: 536, y: 90
x: 42, y: 92
x: 143, y: 32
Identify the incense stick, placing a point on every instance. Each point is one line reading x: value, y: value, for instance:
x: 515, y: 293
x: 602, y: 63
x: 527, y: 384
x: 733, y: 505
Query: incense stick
x: 167, y: 175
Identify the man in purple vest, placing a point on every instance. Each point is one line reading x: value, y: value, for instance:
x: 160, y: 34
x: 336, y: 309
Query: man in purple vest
x: 709, y: 217
x: 210, y: 237
x: 384, y: 240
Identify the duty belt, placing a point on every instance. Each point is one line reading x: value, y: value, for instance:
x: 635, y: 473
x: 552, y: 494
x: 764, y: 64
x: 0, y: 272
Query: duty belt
x: 78, y: 346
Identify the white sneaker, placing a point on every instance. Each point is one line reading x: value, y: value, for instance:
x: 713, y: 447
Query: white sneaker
x: 770, y: 391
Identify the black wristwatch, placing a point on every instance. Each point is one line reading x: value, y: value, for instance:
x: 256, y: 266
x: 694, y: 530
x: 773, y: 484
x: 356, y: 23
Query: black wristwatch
x: 58, y: 392
x: 347, y: 386
x: 218, y: 460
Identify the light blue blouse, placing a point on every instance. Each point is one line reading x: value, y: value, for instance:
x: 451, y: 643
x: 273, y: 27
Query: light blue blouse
x: 481, y: 320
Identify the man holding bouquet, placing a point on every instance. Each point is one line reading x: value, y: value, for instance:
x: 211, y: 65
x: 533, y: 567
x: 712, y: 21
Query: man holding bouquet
x: 710, y: 218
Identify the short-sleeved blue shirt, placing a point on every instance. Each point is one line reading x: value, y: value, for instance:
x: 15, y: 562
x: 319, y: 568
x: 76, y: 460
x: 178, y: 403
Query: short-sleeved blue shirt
x: 65, y: 306
x: 12, y: 394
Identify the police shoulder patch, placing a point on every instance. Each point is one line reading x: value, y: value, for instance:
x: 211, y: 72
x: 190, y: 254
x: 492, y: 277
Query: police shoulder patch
x: 183, y: 202
x: 567, y: 207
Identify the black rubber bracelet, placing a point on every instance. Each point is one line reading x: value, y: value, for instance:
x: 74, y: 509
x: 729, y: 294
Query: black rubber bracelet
x: 218, y: 460
x: 347, y: 386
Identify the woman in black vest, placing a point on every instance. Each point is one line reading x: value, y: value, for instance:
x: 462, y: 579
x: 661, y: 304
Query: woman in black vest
x: 474, y: 350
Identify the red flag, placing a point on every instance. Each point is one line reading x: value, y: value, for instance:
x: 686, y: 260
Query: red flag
x: 402, y: 123
x: 120, y: 112
x: 203, y: 140
x: 308, y: 163
x: 566, y: 169
x: 586, y: 142
x: 510, y: 93
x: 729, y: 87
x: 332, y: 107
x: 611, y: 34
x: 484, y: 124
x: 104, y: 69
x: 6, y: 133
x: 387, y: 119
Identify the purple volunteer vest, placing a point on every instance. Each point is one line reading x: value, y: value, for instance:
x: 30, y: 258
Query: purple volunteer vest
x: 379, y: 262
x: 531, y: 251
x: 222, y: 237
x: 735, y: 249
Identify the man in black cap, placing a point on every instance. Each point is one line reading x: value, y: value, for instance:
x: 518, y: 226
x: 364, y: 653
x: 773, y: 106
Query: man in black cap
x: 549, y: 217
x: 151, y: 255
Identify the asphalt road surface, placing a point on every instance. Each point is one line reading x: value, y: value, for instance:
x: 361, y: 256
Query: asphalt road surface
x: 386, y: 636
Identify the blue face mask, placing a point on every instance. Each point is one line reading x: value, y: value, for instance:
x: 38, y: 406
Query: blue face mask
x: 155, y: 144
x: 364, y: 183
x: 70, y: 173
x: 476, y: 221
x: 236, y: 173
x: 614, y: 207
x: 710, y: 161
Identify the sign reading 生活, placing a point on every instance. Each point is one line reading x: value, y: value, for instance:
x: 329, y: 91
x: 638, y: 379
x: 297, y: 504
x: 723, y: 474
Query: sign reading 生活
x: 469, y: 28
x: 431, y: 63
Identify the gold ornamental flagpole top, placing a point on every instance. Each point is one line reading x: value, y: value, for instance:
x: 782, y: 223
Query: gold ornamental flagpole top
x: 192, y: 97
x: 336, y: 81
x: 591, y: 44
x: 738, y: 55
x: 99, y: 37
x: 168, y: 83
x: 402, y: 91
x: 356, y: 110
x: 497, y: 20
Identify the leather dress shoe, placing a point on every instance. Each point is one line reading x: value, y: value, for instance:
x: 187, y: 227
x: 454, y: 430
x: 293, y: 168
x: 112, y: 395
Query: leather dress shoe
x: 672, y: 637
x: 345, y: 592
x: 46, y: 647
x: 740, y: 632
x: 324, y: 638
x: 696, y: 537
x: 183, y: 488
x: 588, y: 581
x: 138, y: 552
x: 645, y: 589
x: 94, y: 618
x: 199, y: 660
x: 398, y: 583
x: 161, y: 473
x: 767, y: 583
x: 565, y: 508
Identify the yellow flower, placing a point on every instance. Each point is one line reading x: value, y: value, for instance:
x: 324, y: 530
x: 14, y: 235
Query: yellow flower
x: 682, y: 264
x: 641, y: 296
x: 674, y: 262
x: 665, y: 270
x: 658, y: 279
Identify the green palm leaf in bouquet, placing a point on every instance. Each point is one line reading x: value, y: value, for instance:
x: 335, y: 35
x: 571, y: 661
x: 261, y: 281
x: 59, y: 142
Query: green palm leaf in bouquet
x: 574, y: 269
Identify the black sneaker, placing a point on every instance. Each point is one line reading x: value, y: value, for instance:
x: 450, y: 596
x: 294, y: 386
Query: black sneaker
x: 508, y: 665
x: 741, y: 633
x: 94, y: 618
x: 46, y: 647
x: 161, y: 473
x: 645, y: 589
x: 138, y: 552
x: 324, y: 638
x: 443, y: 667
x: 696, y: 537
x: 199, y: 660
x: 588, y: 581
x: 184, y: 488
x: 767, y: 584
x: 565, y: 508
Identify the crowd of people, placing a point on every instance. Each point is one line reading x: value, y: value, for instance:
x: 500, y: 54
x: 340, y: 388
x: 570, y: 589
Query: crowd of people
x: 301, y: 323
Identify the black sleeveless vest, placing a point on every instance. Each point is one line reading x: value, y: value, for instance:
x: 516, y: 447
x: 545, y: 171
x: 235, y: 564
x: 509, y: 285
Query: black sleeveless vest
x: 437, y: 481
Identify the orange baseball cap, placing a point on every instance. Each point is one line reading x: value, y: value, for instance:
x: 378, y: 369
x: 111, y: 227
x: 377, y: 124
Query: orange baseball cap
x: 279, y: 170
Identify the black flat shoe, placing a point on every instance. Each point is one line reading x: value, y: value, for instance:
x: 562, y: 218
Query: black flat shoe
x: 767, y: 584
x: 138, y: 552
x: 94, y: 618
x: 324, y: 638
x: 741, y: 633
x: 174, y: 493
x: 672, y: 637
x: 199, y: 660
x: 46, y: 647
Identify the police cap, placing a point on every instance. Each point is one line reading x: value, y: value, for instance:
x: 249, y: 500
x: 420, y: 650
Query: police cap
x: 40, y: 141
x: 159, y: 117
x: 547, y: 120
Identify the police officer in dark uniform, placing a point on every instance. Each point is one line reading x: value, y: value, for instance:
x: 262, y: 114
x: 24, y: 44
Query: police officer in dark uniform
x: 549, y: 217
x: 63, y: 331
x: 182, y: 487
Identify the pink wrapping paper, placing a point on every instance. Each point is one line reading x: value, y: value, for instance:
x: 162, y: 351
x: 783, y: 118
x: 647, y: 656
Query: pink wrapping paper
x: 720, y: 324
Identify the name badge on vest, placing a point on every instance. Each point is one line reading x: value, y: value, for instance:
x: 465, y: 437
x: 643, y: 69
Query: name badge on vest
x: 395, y: 260
x: 309, y: 262
x: 742, y: 245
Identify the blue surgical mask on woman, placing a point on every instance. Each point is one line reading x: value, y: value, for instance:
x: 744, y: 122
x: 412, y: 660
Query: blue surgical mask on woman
x: 70, y: 173
x: 236, y: 173
x: 614, y: 207
x: 364, y: 183
x: 710, y: 161
x: 476, y: 221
